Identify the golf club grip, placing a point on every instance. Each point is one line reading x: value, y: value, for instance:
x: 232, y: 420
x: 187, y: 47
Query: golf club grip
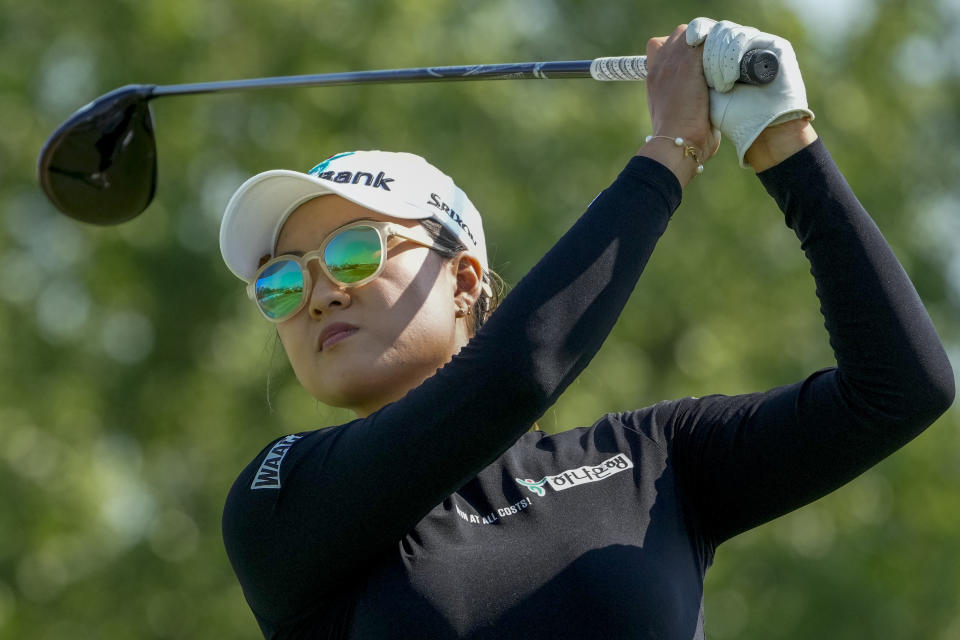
x: 757, y: 67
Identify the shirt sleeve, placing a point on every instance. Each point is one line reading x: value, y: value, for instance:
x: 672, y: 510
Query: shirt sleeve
x: 330, y: 501
x: 748, y: 459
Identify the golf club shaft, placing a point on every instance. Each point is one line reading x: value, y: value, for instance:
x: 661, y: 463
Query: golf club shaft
x: 618, y: 68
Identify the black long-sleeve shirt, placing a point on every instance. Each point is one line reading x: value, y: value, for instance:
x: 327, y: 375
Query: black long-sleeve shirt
x: 441, y: 516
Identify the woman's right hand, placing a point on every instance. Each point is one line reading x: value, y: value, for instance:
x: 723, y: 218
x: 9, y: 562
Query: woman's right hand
x: 679, y: 103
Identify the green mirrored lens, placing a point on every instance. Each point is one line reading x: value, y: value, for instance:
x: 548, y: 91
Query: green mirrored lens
x: 279, y: 289
x: 353, y: 255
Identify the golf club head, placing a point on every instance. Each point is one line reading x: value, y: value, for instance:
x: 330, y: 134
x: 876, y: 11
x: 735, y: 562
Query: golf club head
x: 100, y: 166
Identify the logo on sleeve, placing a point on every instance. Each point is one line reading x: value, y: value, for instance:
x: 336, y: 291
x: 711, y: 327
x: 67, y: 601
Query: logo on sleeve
x: 268, y: 475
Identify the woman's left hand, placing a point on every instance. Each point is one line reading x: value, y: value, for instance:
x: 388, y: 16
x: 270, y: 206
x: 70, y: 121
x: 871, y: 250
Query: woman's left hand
x: 744, y: 112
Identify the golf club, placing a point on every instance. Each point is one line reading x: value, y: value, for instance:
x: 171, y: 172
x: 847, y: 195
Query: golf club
x: 100, y: 166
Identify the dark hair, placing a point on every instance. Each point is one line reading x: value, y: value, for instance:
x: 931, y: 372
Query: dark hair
x: 449, y: 246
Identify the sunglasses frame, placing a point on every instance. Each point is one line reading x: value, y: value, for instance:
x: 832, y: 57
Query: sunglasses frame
x: 385, y: 231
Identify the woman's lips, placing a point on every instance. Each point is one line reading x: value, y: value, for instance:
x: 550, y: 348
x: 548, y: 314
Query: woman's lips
x: 335, y: 333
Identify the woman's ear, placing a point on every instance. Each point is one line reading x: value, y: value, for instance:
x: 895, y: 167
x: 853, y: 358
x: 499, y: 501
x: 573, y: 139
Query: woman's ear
x: 469, y: 276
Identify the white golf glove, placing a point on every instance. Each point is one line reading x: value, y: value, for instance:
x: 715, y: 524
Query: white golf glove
x: 743, y: 111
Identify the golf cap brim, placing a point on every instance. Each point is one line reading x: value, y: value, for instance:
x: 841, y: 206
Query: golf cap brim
x: 399, y: 185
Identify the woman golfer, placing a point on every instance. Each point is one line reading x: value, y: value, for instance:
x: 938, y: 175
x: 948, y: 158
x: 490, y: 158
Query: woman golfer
x: 438, y: 512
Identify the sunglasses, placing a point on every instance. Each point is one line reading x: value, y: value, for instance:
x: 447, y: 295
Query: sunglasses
x: 351, y: 255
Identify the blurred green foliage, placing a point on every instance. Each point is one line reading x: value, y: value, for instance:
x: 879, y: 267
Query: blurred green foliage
x: 137, y: 380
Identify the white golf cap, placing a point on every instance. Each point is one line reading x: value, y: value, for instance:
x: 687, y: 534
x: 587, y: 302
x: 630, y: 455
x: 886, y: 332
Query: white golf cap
x: 400, y: 185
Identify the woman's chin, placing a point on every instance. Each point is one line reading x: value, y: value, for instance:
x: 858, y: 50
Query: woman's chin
x: 360, y: 392
x: 364, y: 385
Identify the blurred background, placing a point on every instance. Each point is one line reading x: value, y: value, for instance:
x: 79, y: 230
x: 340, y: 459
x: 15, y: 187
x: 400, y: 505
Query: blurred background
x: 136, y: 379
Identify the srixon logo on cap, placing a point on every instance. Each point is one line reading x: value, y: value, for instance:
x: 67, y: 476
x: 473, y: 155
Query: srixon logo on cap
x: 435, y: 201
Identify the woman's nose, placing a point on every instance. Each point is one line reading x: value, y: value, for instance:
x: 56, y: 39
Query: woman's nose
x: 325, y: 294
